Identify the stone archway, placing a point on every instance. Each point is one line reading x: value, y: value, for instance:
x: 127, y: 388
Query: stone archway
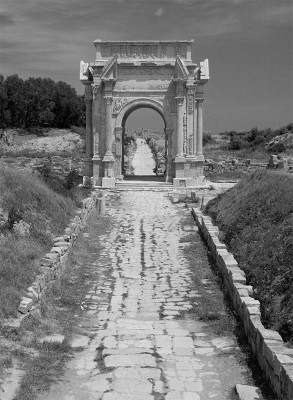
x: 124, y: 113
x: 155, y: 74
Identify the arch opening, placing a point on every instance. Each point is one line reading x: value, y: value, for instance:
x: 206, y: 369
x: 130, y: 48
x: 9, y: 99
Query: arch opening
x: 144, y: 143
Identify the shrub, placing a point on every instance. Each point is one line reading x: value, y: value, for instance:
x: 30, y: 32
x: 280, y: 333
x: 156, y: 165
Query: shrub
x: 207, y: 138
x: 236, y: 143
x: 72, y: 179
x: 277, y: 148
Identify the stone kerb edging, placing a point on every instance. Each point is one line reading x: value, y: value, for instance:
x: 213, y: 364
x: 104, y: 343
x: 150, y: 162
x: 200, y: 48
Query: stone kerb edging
x: 53, y: 263
x: 274, y: 358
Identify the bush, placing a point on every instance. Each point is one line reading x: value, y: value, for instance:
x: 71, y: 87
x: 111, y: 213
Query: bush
x: 277, y: 148
x: 72, y: 179
x: 236, y: 143
x: 207, y: 138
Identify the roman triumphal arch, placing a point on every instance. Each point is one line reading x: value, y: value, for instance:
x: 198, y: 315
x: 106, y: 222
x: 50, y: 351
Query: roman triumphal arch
x: 129, y: 75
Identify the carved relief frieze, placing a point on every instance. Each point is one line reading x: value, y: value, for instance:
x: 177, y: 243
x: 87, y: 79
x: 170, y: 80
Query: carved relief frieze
x: 118, y: 141
x: 190, y: 101
x: 158, y: 87
x: 184, y: 135
x: 97, y: 143
x: 163, y: 51
x: 180, y: 50
x: 134, y: 51
x: 190, y: 145
x: 96, y: 88
x: 118, y: 103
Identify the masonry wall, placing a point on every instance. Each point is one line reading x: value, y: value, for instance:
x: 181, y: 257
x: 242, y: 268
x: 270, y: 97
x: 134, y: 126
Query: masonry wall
x: 274, y: 357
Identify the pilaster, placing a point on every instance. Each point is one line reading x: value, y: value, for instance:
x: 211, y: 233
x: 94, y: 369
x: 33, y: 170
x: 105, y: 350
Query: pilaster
x: 108, y: 159
x: 190, y: 111
x: 89, y: 130
x: 199, y: 102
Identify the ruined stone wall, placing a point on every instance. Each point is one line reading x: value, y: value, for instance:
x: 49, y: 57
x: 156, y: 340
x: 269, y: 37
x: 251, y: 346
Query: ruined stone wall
x: 52, y: 265
x: 60, y: 165
x: 241, y: 165
x: 274, y: 357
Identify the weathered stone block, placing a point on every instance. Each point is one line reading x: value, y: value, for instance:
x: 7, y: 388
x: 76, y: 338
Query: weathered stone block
x: 54, y: 257
x: 25, y: 304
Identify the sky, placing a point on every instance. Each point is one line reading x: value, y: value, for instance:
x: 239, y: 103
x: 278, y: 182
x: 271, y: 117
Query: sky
x: 248, y: 44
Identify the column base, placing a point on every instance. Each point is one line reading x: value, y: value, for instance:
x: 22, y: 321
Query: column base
x: 199, y: 181
x: 88, y: 166
x: 108, y: 182
x: 188, y: 171
x: 108, y: 162
x: 98, y: 171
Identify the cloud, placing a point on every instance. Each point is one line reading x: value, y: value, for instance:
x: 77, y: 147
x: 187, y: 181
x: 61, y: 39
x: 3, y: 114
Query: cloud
x: 278, y: 14
x: 6, y: 19
x: 159, y: 12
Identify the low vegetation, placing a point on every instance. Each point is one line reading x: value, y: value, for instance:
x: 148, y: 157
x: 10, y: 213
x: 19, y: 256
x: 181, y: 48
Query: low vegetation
x: 31, y: 215
x: 254, y: 144
x: 256, y: 220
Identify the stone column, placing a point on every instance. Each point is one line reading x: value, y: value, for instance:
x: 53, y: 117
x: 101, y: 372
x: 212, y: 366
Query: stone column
x: 169, y: 158
x: 108, y: 120
x: 89, y: 129
x: 195, y: 128
x: 108, y: 160
x: 199, y: 127
x: 180, y: 137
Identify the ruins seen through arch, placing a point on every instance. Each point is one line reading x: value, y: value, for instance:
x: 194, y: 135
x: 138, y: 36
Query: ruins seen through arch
x: 160, y: 75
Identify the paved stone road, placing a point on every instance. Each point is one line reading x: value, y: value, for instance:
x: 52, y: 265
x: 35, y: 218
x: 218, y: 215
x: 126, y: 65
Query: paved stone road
x: 144, y: 340
x: 143, y: 161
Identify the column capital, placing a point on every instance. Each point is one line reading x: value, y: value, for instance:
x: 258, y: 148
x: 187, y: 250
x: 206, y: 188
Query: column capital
x: 190, y: 89
x: 199, y: 99
x: 108, y: 100
x: 179, y: 100
x: 96, y: 88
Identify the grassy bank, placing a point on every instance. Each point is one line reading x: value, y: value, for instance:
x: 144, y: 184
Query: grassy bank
x: 32, y: 214
x: 256, y: 220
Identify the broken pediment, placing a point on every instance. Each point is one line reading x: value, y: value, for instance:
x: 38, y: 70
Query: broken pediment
x: 109, y: 72
x: 180, y: 70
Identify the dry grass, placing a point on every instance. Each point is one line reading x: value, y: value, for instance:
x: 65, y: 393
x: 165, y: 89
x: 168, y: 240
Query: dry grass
x: 24, y: 197
x: 256, y: 218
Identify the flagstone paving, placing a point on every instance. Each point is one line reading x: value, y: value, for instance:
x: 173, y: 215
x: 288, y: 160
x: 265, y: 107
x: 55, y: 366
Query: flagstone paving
x: 140, y: 312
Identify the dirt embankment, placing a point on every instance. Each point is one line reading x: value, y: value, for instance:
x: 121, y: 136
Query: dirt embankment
x: 256, y: 219
x: 54, y: 140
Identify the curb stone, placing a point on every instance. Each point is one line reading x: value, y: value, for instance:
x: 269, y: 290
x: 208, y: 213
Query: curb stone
x: 52, y: 264
x: 274, y: 358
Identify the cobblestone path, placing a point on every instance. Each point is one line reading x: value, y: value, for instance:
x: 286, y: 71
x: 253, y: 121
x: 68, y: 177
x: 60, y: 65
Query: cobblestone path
x: 145, y: 340
x: 143, y: 161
